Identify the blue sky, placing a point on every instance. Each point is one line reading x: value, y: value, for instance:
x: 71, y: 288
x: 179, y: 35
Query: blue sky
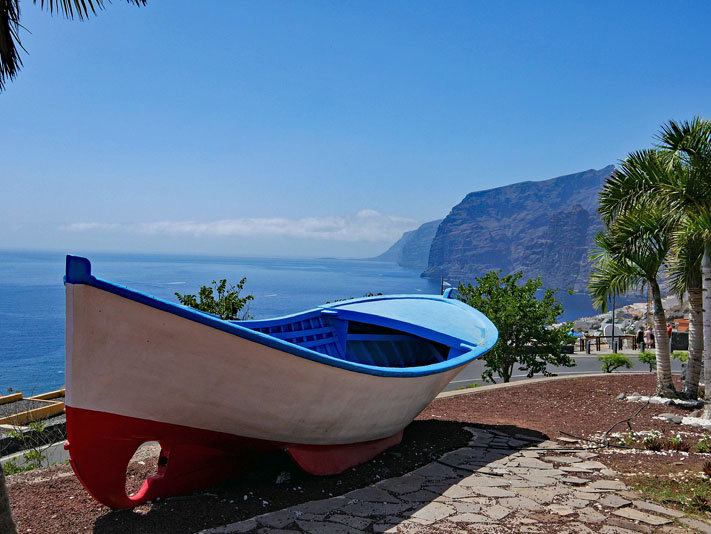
x: 322, y: 128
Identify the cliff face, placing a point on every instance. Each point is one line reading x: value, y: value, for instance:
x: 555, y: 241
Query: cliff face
x: 412, y: 250
x: 541, y: 228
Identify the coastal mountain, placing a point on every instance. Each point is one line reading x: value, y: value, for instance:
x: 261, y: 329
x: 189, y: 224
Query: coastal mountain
x: 412, y: 250
x: 542, y: 228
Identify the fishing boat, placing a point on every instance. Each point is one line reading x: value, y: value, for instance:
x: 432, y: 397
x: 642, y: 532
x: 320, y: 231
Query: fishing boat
x: 333, y: 386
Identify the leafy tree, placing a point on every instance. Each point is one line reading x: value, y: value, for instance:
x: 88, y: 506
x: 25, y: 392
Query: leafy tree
x: 10, y: 26
x: 526, y: 338
x: 227, y: 304
x: 611, y: 362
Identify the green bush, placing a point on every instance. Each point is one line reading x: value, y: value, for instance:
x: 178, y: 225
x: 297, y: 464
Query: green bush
x: 649, y: 358
x: 704, y: 444
x: 629, y: 439
x: 228, y: 305
x: 613, y: 361
x: 11, y: 467
x: 676, y: 443
x: 34, y: 442
x: 470, y: 386
x: 653, y: 441
x: 680, y: 355
x: 34, y: 459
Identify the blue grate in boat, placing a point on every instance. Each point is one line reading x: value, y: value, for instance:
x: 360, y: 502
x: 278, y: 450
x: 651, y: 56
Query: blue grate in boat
x: 367, y: 344
x: 309, y: 332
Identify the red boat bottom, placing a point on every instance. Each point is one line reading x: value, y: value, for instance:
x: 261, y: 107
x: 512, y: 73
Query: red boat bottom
x: 334, y: 459
x: 101, y: 445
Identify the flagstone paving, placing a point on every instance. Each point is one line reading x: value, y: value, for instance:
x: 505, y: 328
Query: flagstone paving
x: 498, y: 484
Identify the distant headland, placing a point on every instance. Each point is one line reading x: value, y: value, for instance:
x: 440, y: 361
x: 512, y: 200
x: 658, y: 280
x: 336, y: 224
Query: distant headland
x: 543, y: 228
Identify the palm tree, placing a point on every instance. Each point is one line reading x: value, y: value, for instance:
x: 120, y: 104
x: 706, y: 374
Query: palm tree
x: 10, y: 26
x: 617, y: 271
x: 688, y: 144
x: 632, y: 250
x: 698, y: 226
x: 684, y: 272
x: 643, y: 179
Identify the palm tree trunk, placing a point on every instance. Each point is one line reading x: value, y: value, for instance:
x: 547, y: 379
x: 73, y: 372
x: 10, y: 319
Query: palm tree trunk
x: 665, y: 386
x: 706, y: 281
x: 7, y: 525
x: 696, y: 343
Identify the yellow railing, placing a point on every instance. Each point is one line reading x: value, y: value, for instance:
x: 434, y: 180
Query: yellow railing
x: 50, y: 408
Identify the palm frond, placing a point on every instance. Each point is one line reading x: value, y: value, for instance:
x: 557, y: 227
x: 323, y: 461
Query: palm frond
x: 642, y: 236
x: 612, y: 277
x: 631, y: 252
x: 80, y: 9
x: 696, y: 226
x: 10, y: 61
x: 684, y: 267
x: 688, y: 141
x: 636, y: 181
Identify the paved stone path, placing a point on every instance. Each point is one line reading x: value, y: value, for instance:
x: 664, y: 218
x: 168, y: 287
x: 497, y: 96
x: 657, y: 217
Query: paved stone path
x: 498, y: 484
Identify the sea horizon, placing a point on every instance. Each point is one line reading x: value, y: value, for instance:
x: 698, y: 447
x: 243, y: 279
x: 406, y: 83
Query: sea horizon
x: 87, y: 253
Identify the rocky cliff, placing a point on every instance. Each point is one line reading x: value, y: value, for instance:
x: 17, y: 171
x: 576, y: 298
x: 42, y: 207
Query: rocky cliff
x: 541, y: 228
x: 412, y: 250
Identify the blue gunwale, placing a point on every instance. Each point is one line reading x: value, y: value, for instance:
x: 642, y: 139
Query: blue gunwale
x: 78, y: 271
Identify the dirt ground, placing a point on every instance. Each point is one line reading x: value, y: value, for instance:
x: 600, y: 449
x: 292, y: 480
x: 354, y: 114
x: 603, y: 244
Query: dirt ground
x: 52, y: 500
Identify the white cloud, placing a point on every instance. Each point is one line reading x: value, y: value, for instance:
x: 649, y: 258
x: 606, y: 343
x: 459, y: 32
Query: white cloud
x: 366, y: 225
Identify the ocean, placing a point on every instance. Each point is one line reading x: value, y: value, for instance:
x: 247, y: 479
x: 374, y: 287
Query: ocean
x: 32, y: 296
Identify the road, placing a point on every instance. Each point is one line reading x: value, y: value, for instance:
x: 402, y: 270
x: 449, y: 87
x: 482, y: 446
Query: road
x: 585, y: 364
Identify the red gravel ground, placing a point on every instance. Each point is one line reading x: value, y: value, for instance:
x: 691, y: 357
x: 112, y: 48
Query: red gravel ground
x: 585, y: 407
x: 52, y: 500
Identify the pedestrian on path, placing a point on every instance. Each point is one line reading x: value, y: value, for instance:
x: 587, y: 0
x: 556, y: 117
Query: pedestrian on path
x: 649, y: 338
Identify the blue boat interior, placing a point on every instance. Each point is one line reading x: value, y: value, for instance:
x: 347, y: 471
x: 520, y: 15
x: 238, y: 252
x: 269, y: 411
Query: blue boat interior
x: 354, y: 341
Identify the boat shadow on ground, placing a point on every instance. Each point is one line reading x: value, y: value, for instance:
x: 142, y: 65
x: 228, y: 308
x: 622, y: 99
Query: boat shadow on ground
x: 404, y: 482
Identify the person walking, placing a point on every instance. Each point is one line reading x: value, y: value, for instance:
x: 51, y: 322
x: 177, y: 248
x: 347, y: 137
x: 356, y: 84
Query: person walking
x: 649, y: 338
x: 640, y: 338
